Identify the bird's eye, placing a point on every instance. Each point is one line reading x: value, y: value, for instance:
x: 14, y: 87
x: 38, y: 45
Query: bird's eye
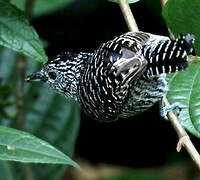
x: 52, y: 75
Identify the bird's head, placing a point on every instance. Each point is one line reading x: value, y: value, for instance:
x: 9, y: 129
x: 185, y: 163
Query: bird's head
x: 59, y: 73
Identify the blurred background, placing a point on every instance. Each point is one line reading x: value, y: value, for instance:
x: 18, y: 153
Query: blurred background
x: 142, y: 147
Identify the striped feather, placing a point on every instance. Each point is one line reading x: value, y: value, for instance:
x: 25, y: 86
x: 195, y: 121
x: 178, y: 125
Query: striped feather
x: 168, y: 55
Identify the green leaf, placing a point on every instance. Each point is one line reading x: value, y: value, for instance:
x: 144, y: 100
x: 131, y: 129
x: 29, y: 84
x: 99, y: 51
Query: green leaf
x: 42, y: 7
x: 129, y: 1
x: 17, y: 34
x: 20, y: 146
x: 182, y: 16
x: 184, y: 87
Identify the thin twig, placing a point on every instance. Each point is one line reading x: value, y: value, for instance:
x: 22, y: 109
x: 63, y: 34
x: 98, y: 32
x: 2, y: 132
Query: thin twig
x: 29, y: 8
x: 20, y: 75
x: 184, y: 140
x: 20, y: 68
x: 163, y: 2
x: 128, y: 16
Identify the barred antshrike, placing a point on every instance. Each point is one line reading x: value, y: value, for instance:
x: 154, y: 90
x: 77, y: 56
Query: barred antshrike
x: 123, y: 77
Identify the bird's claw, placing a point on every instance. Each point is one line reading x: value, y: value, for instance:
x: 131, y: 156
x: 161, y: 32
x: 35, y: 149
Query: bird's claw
x: 165, y: 109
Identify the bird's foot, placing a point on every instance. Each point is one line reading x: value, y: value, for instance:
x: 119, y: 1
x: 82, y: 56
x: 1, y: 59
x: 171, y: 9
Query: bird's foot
x: 165, y: 109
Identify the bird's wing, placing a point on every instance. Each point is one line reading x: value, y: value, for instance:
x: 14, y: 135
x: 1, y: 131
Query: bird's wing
x: 123, y: 59
x: 109, y: 75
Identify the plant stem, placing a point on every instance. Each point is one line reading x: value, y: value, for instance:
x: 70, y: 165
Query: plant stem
x: 29, y: 8
x: 20, y: 90
x: 20, y: 75
x: 184, y: 139
x: 163, y: 2
x: 128, y: 16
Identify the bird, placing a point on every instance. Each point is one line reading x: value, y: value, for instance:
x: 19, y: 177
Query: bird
x: 122, y: 78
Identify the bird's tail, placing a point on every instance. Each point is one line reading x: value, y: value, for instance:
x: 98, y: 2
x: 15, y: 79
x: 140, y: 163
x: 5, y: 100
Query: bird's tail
x: 169, y: 55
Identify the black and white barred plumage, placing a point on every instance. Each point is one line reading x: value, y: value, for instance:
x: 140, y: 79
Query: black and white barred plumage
x: 123, y: 77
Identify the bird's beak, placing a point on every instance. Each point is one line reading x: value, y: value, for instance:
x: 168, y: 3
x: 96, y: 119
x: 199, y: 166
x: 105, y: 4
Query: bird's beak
x: 38, y: 76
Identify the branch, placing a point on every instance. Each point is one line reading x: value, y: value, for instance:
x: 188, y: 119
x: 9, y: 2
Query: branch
x: 29, y: 8
x: 20, y: 75
x: 163, y: 2
x: 128, y: 16
x: 20, y: 68
x: 184, y: 140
